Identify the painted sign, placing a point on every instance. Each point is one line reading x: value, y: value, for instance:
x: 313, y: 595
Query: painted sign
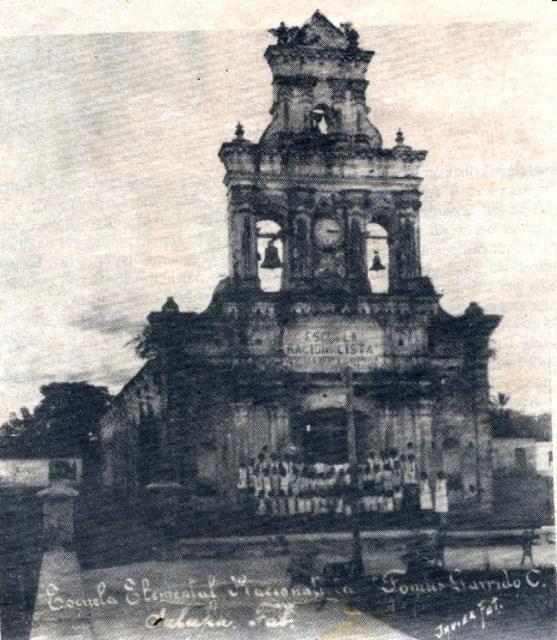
x: 38, y: 472
x: 330, y: 345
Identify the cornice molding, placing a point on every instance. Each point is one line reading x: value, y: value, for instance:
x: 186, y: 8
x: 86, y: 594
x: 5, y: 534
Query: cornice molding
x: 278, y: 53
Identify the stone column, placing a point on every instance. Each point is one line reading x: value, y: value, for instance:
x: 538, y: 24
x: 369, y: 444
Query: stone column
x: 58, y: 514
x: 301, y: 103
x: 393, y: 244
x: 424, y: 428
x: 164, y: 501
x: 404, y: 249
x: 280, y: 426
x: 389, y: 436
x: 298, y: 255
x: 240, y: 449
x: 484, y: 462
x: 408, y: 257
x: 242, y: 236
x: 284, y: 99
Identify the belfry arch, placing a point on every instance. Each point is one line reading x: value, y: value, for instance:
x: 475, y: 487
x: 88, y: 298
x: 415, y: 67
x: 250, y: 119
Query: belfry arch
x: 270, y: 255
x: 324, y: 119
x: 377, y: 257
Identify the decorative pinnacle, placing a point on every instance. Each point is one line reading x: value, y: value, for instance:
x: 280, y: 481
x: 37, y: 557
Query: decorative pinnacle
x: 170, y: 306
x: 281, y: 33
x: 239, y: 131
x: 351, y: 34
x: 399, y: 137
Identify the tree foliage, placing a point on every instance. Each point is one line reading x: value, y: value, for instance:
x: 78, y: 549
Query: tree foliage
x: 160, y: 335
x: 64, y: 422
x: 69, y: 413
x: 508, y: 423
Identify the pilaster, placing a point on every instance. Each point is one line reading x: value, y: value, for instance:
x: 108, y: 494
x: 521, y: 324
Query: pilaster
x: 424, y: 425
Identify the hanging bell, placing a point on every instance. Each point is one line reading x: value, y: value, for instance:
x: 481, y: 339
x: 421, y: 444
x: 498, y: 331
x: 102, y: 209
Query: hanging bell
x: 271, y: 259
x: 376, y: 264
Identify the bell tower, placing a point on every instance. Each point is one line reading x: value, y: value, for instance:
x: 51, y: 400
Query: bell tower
x: 324, y: 357
x: 320, y: 173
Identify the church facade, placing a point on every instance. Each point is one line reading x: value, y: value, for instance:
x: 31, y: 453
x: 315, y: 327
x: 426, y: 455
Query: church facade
x: 325, y: 278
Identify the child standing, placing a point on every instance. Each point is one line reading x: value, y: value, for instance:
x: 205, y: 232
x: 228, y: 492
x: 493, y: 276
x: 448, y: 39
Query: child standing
x: 371, y: 461
x: 388, y: 501
x: 426, y: 500
x: 267, y: 488
x: 261, y: 503
x: 378, y: 490
x: 397, y: 473
x: 300, y: 491
x: 441, y: 497
x: 340, y: 489
x: 293, y: 491
x: 397, y: 498
x: 411, y: 489
x: 366, y: 490
x: 387, y: 477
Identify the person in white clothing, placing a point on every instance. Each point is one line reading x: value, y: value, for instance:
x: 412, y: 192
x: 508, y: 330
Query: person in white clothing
x: 367, y: 487
x: 441, y: 497
x: 243, y: 487
x: 411, y: 486
x: 261, y: 503
x: 300, y: 488
x: 371, y: 462
x: 293, y: 491
x: 267, y: 488
x: 397, y: 497
x: 426, y: 499
x: 242, y: 477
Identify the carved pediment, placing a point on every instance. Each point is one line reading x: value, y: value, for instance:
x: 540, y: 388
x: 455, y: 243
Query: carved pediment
x: 318, y: 32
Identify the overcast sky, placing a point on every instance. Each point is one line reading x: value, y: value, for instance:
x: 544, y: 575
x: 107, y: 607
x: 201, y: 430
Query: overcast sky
x: 111, y: 193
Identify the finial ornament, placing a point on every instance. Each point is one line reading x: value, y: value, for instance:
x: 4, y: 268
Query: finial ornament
x: 239, y: 131
x: 170, y: 306
x: 293, y: 35
x: 399, y: 137
x: 352, y: 36
x: 282, y: 33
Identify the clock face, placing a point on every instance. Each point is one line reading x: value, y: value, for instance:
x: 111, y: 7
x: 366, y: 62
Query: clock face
x: 328, y: 232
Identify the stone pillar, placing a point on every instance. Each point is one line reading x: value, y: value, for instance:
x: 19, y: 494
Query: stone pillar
x: 424, y: 428
x: 404, y: 249
x: 240, y: 441
x: 355, y: 254
x: 242, y: 236
x: 284, y: 99
x: 297, y: 248
x: 299, y: 251
x: 58, y: 514
x: 302, y: 102
x: 389, y: 437
x: 408, y: 257
x: 484, y: 461
x: 393, y: 244
x: 164, y: 500
x: 280, y: 426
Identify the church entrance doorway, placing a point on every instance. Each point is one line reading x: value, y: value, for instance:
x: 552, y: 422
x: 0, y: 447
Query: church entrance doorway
x: 321, y: 435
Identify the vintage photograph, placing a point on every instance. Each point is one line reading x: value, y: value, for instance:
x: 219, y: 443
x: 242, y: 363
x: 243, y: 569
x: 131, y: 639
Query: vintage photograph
x: 276, y: 328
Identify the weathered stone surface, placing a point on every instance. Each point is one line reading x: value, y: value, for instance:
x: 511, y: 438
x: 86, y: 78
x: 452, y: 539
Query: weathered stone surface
x: 256, y: 365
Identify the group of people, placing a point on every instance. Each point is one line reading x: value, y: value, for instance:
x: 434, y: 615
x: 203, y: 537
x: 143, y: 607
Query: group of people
x: 385, y: 483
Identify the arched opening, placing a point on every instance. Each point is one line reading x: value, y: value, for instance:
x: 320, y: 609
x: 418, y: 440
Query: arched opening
x: 322, y: 119
x: 321, y: 435
x: 377, y: 253
x: 452, y: 459
x: 269, y: 255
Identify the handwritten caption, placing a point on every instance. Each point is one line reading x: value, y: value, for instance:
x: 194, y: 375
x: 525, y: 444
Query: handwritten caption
x: 237, y: 601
